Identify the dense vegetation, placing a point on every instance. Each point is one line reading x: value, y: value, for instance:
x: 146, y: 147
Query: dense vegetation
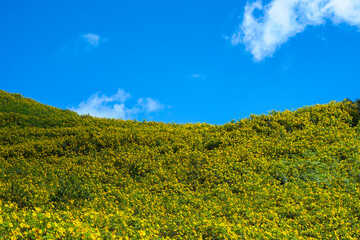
x: 285, y: 175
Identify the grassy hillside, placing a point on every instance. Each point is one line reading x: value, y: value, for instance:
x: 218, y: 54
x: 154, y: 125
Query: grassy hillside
x: 285, y: 175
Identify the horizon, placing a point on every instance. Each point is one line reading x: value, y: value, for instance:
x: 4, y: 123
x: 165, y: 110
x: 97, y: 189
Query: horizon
x: 214, y: 124
x: 182, y: 62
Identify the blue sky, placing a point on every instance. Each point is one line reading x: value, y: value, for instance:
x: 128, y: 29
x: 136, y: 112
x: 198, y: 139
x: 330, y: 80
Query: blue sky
x: 180, y: 61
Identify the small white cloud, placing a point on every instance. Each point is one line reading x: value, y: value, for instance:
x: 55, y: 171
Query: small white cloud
x: 114, y: 106
x: 281, y: 19
x: 92, y: 39
x: 226, y: 37
x: 150, y: 105
x: 198, y: 76
x: 83, y: 43
x: 195, y: 75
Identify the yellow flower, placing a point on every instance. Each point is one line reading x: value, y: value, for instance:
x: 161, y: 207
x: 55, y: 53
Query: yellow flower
x: 61, y: 230
x: 23, y: 225
x: 15, y: 216
x: 11, y: 225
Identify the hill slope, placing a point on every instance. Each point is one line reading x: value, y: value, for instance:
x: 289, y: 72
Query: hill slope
x: 285, y: 175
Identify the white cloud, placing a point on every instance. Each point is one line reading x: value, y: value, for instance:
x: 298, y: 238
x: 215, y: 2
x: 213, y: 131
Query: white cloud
x: 195, y: 75
x: 282, y: 19
x: 83, y: 43
x: 92, y: 39
x: 149, y: 105
x: 114, y: 106
x: 198, y: 76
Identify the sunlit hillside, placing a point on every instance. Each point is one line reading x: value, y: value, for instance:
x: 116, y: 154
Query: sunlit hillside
x: 284, y: 175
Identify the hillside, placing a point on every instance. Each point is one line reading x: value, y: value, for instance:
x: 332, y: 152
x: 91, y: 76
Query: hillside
x: 284, y: 175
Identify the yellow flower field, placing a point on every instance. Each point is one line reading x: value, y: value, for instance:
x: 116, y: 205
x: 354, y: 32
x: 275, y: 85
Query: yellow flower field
x: 284, y: 175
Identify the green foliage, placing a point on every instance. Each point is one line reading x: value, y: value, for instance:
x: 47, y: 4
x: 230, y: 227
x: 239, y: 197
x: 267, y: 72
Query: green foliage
x: 70, y: 188
x: 18, y: 194
x: 284, y: 175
